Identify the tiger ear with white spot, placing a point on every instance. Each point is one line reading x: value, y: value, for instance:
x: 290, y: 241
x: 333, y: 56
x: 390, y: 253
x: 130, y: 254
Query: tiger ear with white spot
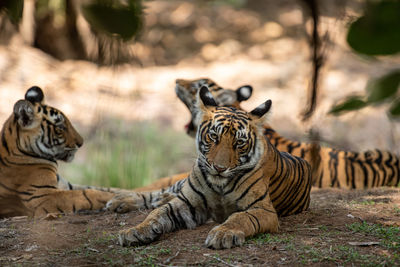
x: 204, y: 101
x: 24, y: 113
x: 244, y: 92
x: 260, y: 113
x: 34, y: 95
x: 206, y: 98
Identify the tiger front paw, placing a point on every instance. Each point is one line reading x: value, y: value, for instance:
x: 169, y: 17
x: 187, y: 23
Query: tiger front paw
x: 139, y: 235
x: 221, y: 237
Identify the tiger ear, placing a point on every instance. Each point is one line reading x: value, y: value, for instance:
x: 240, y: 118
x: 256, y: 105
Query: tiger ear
x: 244, y: 92
x: 34, y: 95
x: 24, y: 113
x: 259, y: 113
x: 206, y: 98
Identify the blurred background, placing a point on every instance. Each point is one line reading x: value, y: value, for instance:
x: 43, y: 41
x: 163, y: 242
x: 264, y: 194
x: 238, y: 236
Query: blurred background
x: 111, y: 66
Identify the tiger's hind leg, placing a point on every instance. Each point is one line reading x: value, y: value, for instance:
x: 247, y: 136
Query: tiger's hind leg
x: 126, y: 202
x: 67, y: 201
x: 240, y: 225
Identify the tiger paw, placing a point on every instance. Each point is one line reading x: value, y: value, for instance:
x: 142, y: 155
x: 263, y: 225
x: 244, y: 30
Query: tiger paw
x: 123, y: 203
x: 134, y: 237
x: 221, y: 237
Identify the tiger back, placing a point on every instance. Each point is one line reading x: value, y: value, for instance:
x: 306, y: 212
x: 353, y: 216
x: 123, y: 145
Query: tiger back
x: 33, y: 138
x: 239, y: 180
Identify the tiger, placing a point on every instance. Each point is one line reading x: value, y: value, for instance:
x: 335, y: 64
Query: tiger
x: 239, y: 180
x: 33, y: 139
x: 331, y: 167
x: 187, y: 91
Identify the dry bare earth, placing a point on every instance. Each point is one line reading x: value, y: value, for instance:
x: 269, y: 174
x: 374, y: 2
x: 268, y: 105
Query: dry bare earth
x: 355, y: 228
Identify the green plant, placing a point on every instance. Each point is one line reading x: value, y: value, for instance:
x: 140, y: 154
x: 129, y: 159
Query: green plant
x: 130, y: 155
x: 390, y: 235
x: 376, y: 33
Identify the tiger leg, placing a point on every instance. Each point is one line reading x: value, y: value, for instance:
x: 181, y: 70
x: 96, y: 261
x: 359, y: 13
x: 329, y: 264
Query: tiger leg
x: 172, y: 216
x: 67, y: 201
x: 240, y: 225
x: 126, y: 202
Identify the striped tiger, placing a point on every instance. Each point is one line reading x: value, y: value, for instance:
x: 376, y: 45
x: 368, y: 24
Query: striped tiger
x: 33, y: 138
x: 331, y: 167
x: 239, y: 180
x: 187, y: 91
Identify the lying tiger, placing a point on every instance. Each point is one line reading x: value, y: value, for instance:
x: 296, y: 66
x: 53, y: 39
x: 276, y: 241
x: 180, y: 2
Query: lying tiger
x: 332, y: 167
x: 239, y: 180
x: 33, y: 138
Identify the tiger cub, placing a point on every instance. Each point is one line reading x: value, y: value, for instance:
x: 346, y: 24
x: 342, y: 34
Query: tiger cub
x: 239, y: 180
x: 33, y: 138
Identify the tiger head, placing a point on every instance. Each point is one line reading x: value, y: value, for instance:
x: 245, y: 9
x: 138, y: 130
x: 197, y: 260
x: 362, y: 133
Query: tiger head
x: 187, y: 91
x: 229, y: 141
x: 43, y: 131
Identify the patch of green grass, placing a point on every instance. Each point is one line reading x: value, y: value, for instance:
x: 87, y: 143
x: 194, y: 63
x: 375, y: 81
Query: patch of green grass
x: 390, y: 235
x: 266, y: 238
x: 396, y: 209
x: 129, y: 155
x: 342, y: 254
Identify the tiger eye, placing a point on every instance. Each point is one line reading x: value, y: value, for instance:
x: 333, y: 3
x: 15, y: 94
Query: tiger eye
x: 213, y: 136
x: 239, y: 142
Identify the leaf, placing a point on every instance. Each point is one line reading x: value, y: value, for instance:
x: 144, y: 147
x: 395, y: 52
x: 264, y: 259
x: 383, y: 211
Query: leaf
x: 394, y: 109
x: 123, y: 21
x: 352, y: 103
x: 13, y: 8
x: 377, y: 32
x: 383, y: 87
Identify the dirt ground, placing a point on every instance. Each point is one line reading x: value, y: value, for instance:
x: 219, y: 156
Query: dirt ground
x: 341, y: 228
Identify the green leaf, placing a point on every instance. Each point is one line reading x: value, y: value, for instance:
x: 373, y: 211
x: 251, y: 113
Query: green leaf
x: 394, y: 109
x: 377, y: 32
x: 115, y: 19
x: 351, y: 103
x: 383, y: 87
x: 13, y: 8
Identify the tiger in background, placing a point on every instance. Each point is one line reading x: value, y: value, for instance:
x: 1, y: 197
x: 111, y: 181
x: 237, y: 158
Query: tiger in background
x: 331, y: 167
x: 33, y: 138
x: 239, y: 180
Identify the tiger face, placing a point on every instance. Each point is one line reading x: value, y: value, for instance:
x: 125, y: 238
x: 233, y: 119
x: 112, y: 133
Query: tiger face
x: 44, y: 131
x: 228, y: 140
x: 187, y: 91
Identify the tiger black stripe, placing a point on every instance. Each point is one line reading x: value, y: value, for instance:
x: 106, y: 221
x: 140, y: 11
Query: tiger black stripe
x: 87, y: 198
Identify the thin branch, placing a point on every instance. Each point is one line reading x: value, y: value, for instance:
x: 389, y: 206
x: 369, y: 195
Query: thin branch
x: 317, y: 59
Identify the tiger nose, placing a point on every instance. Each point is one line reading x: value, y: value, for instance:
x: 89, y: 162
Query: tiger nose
x: 219, y: 168
x: 79, y: 142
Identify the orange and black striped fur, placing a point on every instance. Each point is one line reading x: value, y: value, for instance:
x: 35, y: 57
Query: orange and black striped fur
x: 331, y: 167
x: 33, y: 138
x: 239, y: 180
